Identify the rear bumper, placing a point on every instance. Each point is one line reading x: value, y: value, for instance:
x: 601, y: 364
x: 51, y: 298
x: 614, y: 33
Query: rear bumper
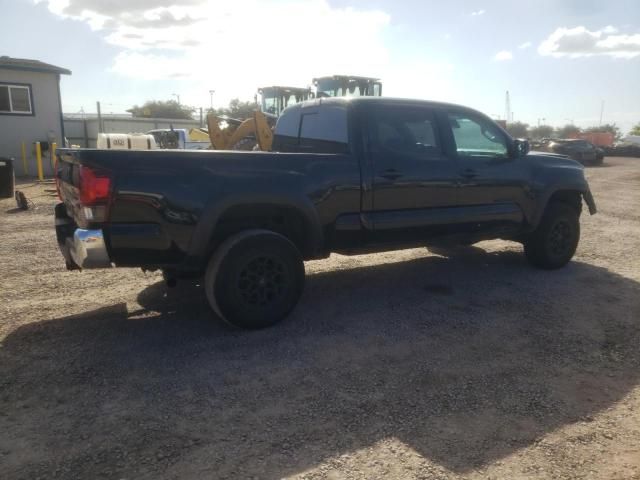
x: 81, y: 248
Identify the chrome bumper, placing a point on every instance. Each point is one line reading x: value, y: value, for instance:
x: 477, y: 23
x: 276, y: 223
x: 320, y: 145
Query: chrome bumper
x: 81, y: 248
x: 88, y: 249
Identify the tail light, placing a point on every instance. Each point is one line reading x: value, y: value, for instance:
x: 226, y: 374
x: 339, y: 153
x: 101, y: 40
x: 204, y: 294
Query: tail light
x: 95, y: 187
x: 95, y: 193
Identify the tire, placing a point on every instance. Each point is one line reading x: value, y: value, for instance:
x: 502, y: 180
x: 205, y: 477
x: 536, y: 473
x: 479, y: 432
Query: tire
x: 246, y: 144
x: 254, y: 279
x: 554, y: 242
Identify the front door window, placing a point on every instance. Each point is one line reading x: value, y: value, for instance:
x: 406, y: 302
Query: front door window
x: 477, y: 138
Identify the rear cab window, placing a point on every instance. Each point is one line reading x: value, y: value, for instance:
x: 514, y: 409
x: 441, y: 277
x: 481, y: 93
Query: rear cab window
x: 313, y: 129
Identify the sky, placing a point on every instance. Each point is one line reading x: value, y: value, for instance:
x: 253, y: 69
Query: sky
x: 562, y: 61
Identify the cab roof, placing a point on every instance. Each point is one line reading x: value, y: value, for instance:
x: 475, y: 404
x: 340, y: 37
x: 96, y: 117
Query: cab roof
x: 375, y: 101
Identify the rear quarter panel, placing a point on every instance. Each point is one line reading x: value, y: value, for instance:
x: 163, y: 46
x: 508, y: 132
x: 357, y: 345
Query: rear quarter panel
x: 166, y: 203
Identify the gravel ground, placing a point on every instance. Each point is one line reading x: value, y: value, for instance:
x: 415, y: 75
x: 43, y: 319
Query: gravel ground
x: 461, y: 364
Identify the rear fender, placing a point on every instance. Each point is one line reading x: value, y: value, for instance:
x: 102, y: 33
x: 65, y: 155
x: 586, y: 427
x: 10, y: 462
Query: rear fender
x: 205, y: 229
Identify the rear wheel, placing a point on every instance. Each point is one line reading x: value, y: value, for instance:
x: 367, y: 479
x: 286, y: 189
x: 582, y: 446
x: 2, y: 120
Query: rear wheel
x: 255, y: 279
x: 554, y: 242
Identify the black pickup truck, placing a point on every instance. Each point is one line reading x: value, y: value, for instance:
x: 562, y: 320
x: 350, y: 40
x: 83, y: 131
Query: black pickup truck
x: 349, y: 176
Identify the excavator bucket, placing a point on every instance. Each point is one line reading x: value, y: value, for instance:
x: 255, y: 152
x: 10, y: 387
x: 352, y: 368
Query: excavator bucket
x: 216, y: 135
x: 264, y: 134
x: 241, y: 136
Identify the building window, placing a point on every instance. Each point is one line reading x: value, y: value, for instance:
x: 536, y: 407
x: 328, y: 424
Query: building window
x: 15, y: 99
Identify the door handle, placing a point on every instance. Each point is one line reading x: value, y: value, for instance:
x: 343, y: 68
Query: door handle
x: 391, y: 174
x: 468, y: 173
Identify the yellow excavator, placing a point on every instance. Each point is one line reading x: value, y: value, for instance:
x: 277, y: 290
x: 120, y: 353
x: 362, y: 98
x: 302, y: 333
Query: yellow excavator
x: 231, y: 134
x: 256, y: 133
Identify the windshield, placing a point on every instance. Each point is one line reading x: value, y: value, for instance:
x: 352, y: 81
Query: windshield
x: 269, y: 103
x: 276, y: 100
x: 331, y: 87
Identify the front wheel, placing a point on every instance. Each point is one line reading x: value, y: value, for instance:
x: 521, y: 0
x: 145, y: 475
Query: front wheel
x: 554, y: 242
x: 254, y: 279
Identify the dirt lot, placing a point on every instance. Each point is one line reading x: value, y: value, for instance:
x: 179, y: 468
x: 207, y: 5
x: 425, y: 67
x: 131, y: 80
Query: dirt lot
x: 402, y: 365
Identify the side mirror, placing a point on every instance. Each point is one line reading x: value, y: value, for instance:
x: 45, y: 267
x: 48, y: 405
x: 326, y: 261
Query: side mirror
x: 521, y: 147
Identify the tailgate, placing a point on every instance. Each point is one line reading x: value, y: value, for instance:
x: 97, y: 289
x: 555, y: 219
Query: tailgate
x: 67, y: 176
x: 85, y: 194
x: 85, y: 189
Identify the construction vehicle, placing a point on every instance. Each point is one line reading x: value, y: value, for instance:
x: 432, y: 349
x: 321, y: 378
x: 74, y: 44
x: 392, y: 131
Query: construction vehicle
x: 180, y: 138
x: 276, y: 98
x: 257, y: 132
x: 231, y: 134
x: 347, y: 86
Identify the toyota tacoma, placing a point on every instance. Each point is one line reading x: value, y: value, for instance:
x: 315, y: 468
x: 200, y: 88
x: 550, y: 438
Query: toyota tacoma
x: 345, y: 175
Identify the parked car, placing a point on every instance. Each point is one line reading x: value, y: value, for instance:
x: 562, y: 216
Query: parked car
x: 347, y: 176
x: 578, y: 149
x: 624, y: 149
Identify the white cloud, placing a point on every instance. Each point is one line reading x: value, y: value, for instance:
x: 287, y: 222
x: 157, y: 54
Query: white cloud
x: 435, y: 81
x: 235, y: 46
x: 503, y: 55
x: 581, y: 42
x: 477, y: 13
x: 524, y: 45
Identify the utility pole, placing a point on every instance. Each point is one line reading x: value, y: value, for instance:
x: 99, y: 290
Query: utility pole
x: 507, y: 107
x: 211, y: 92
x: 601, y: 112
x: 177, y: 97
x: 201, y: 118
x: 100, y: 124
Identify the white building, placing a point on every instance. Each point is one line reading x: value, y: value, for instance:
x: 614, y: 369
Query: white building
x: 30, y: 110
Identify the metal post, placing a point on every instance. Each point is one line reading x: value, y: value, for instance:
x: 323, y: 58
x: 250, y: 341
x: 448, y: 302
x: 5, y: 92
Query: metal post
x: 54, y: 145
x: 100, y: 125
x: 39, y: 161
x: 86, y: 133
x: 25, y: 166
x: 601, y: 112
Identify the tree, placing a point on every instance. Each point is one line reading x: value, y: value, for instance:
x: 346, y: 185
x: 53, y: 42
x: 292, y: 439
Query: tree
x: 541, y: 131
x: 607, y: 127
x: 568, y: 131
x: 238, y: 109
x: 518, y: 129
x: 162, y: 109
x: 635, y: 130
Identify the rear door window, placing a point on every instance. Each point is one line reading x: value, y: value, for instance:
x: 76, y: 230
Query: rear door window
x: 402, y: 130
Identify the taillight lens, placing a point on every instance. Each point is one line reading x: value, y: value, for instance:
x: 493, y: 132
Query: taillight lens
x: 95, y: 187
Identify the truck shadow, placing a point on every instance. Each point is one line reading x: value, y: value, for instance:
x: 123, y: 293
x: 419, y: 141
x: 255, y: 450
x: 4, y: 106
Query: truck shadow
x: 464, y: 359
